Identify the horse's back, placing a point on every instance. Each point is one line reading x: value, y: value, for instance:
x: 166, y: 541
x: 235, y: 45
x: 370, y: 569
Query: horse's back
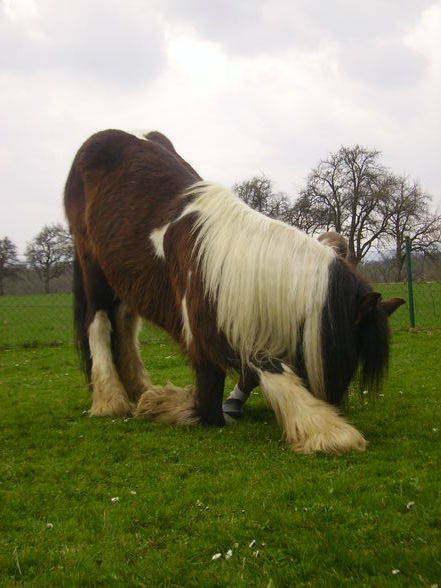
x: 121, y: 190
x: 114, y: 151
x: 116, y: 175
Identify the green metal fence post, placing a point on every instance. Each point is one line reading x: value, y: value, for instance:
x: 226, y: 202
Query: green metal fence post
x: 409, y: 282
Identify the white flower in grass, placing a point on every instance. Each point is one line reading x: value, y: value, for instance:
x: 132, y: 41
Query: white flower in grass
x: 49, y: 526
x: 216, y: 556
x: 395, y: 572
x: 115, y: 499
x: 229, y: 554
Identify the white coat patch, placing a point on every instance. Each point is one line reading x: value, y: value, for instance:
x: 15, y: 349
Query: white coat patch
x: 157, y: 239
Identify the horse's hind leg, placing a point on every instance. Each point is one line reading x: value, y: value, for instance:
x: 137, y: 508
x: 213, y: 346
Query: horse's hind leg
x: 308, y: 424
x: 128, y: 360
x: 109, y: 397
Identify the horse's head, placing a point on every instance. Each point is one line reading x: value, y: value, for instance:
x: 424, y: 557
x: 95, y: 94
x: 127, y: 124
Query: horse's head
x: 372, y: 335
x: 355, y: 332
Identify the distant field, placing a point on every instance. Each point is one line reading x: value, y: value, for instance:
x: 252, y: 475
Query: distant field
x: 36, y: 319
x: 427, y: 301
x: 44, y: 319
x: 47, y: 319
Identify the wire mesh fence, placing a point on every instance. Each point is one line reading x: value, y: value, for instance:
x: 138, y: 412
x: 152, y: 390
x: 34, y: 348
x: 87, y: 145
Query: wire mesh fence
x: 30, y: 318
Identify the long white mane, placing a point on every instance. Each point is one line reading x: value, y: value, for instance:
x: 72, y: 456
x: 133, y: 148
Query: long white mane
x: 268, y: 280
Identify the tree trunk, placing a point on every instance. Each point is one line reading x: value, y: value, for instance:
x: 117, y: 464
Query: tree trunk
x: 399, y: 262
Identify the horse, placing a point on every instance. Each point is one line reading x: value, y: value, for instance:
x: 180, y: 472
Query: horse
x: 236, y: 289
x: 336, y: 241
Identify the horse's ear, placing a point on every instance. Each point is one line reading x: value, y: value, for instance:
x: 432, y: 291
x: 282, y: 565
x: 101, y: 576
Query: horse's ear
x: 367, y: 305
x: 391, y: 305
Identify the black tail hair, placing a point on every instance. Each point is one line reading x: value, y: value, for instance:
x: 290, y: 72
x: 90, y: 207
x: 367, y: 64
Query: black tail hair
x: 81, y: 320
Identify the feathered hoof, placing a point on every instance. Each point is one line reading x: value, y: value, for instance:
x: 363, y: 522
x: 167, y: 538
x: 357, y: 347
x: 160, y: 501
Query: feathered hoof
x: 343, y: 438
x: 118, y: 407
x: 168, y: 404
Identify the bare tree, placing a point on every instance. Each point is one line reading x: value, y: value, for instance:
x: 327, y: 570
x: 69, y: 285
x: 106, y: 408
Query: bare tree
x: 408, y: 211
x: 344, y: 193
x: 308, y: 217
x: 9, y: 263
x: 50, y: 253
x: 259, y: 194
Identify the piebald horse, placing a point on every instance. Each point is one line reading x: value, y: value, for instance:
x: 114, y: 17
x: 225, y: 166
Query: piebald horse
x: 235, y: 289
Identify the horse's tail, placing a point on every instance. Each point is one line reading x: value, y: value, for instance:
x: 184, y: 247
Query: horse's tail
x: 81, y: 319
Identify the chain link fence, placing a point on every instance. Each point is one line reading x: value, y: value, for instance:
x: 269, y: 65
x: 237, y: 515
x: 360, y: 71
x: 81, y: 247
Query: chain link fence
x: 30, y: 318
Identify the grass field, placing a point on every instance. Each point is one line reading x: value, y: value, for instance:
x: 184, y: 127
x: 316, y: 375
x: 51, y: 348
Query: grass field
x: 35, y: 320
x: 47, y: 319
x: 121, y: 502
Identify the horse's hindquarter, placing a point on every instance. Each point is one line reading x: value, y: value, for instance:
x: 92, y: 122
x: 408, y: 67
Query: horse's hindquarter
x: 132, y: 189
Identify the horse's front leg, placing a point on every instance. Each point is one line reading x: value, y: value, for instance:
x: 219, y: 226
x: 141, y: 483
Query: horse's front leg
x: 210, y: 381
x: 233, y: 405
x: 308, y: 423
x: 186, y: 406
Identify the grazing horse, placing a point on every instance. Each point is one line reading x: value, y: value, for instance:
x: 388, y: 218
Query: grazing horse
x: 234, y: 288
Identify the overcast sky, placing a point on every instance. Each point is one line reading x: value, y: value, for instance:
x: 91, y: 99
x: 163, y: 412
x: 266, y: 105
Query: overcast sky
x: 240, y: 86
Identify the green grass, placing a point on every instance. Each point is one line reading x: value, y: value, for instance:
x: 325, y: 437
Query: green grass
x: 187, y: 494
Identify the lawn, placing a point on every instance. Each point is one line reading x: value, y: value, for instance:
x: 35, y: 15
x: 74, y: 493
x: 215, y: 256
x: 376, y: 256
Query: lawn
x: 121, y: 502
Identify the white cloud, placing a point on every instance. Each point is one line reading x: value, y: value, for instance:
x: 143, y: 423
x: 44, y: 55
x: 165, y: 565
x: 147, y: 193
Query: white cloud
x: 20, y: 10
x: 239, y: 87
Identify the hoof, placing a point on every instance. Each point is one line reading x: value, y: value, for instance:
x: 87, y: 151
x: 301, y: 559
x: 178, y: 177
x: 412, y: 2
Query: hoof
x: 343, y: 438
x: 232, y: 408
x: 118, y: 408
x: 168, y: 404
